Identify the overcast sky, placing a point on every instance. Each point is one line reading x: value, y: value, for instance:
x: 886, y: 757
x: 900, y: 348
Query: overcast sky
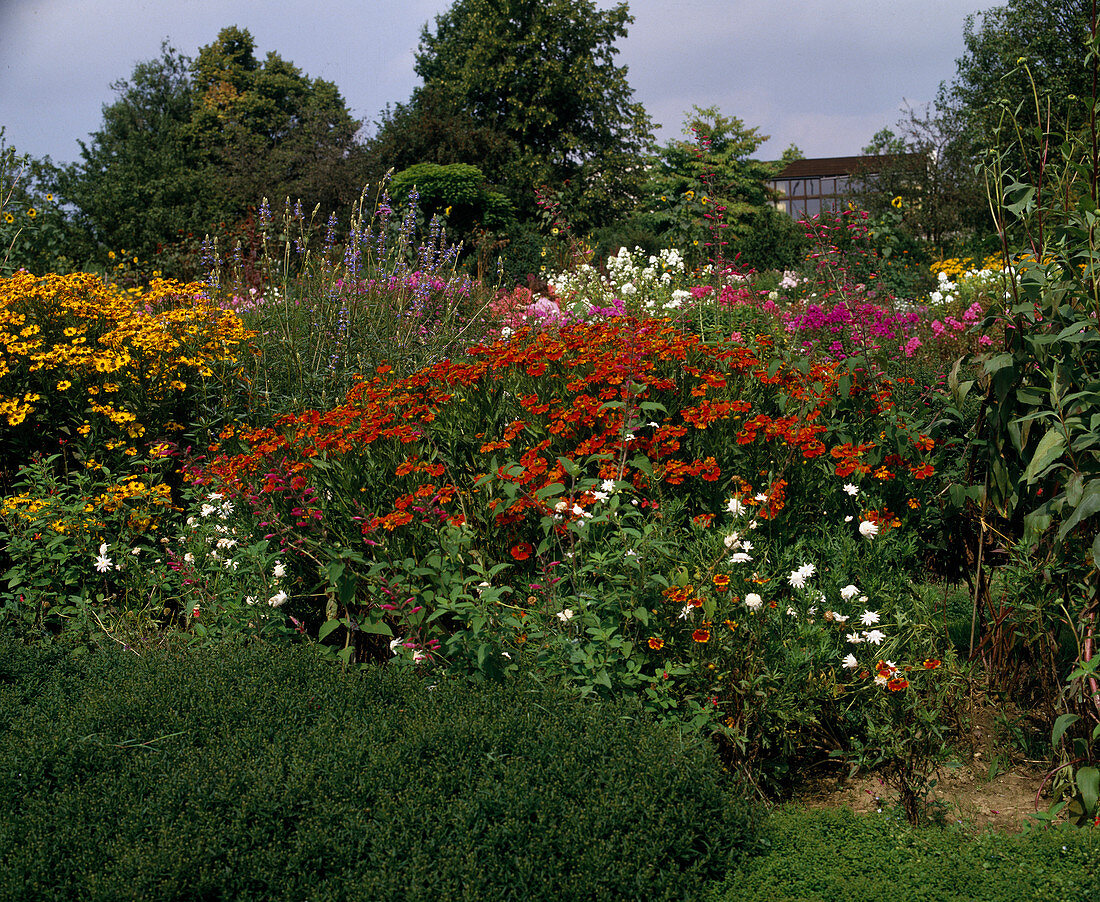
x: 822, y: 74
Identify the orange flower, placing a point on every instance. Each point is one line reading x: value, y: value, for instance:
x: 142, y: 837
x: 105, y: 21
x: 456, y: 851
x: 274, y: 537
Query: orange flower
x: 703, y: 520
x: 701, y: 635
x: 522, y: 551
x: 655, y: 643
x: 897, y: 684
x: 721, y: 581
x: 932, y: 663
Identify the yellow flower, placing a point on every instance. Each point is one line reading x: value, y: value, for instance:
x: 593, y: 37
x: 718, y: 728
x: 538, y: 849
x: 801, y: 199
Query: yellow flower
x: 64, y: 384
x: 31, y: 212
x: 9, y: 218
x: 690, y: 195
x: 704, y: 200
x: 447, y: 212
x: 896, y: 202
x: 49, y: 197
x: 110, y: 255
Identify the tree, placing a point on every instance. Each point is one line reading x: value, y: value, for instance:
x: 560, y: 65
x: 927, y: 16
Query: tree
x: 188, y: 146
x: 138, y: 183
x: 1049, y: 36
x: 540, y: 75
x: 268, y: 130
x: 710, y: 197
x: 925, y: 178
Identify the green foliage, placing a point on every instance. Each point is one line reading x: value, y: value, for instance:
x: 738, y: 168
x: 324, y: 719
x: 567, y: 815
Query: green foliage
x: 188, y: 147
x: 162, y: 776
x: 830, y: 855
x: 542, y: 75
x: 707, y: 195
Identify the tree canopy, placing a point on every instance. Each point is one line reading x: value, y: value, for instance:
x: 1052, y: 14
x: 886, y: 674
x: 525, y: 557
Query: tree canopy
x: 536, y: 81
x: 188, y: 145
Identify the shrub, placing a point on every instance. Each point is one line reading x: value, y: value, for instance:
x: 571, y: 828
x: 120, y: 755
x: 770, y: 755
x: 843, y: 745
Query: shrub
x: 830, y: 855
x: 163, y: 777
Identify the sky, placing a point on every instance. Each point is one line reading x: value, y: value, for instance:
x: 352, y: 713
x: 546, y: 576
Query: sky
x: 822, y: 74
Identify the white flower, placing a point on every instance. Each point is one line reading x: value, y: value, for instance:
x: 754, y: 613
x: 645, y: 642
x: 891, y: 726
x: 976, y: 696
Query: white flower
x: 600, y: 496
x: 250, y: 599
x: 189, y: 558
x: 791, y: 612
x: 849, y: 592
x: 880, y: 679
x: 731, y: 540
x: 753, y: 601
x: 279, y: 598
x: 867, y: 529
x: 226, y: 543
x: 103, y: 563
x: 854, y: 638
x: 686, y: 612
x: 798, y: 577
x: 630, y: 552
x: 735, y: 507
x: 227, y: 509
x: 395, y: 644
x: 851, y: 489
x: 608, y: 485
x: 740, y: 557
x: 840, y: 618
x: 279, y: 570
x: 419, y: 656
x: 207, y: 509
x: 761, y: 497
x: 875, y: 637
x: 746, y: 546
x: 850, y: 662
x: 848, y: 519
x: 215, y: 496
x: 565, y: 616
x: 869, y: 618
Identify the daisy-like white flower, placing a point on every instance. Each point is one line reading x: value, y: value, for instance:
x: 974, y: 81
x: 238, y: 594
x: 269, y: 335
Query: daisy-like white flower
x: 850, y: 662
x: 796, y: 579
x: 746, y: 546
x: 686, y: 612
x: 753, y: 601
x: 875, y: 637
x: 189, y: 558
x: 280, y: 598
x: 840, y: 618
x: 395, y: 644
x: 851, y: 489
x: 854, y: 638
x: 740, y: 557
x: 565, y: 616
x: 791, y: 612
x: 867, y: 529
x: 103, y: 563
x: 608, y: 485
x: 735, y: 507
x: 630, y: 552
x: 215, y: 496
x: 279, y: 570
x: 869, y: 618
x: 849, y: 592
x: 600, y: 496
x: 732, y: 539
x: 848, y: 519
x: 753, y: 524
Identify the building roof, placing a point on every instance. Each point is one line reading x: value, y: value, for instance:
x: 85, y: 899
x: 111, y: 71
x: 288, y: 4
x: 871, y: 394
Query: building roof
x: 824, y: 167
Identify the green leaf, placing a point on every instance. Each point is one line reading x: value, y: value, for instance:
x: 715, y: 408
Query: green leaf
x: 602, y: 679
x: 1096, y: 551
x: 1088, y: 782
x: 379, y: 628
x: 1090, y: 504
x: 642, y: 614
x: 1062, y: 724
x: 1049, y: 450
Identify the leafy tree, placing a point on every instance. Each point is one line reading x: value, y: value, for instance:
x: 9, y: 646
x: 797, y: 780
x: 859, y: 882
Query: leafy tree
x: 707, y: 194
x: 925, y: 185
x: 1050, y: 36
x: 268, y: 130
x: 538, y: 78
x: 138, y: 184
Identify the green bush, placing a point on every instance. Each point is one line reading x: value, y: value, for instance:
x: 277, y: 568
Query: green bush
x: 264, y: 774
x: 837, y: 856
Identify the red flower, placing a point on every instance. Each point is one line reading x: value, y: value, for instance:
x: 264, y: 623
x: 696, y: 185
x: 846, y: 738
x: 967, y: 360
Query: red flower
x: 701, y: 635
x: 932, y: 663
x: 522, y: 551
x: 896, y: 685
x: 655, y: 643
